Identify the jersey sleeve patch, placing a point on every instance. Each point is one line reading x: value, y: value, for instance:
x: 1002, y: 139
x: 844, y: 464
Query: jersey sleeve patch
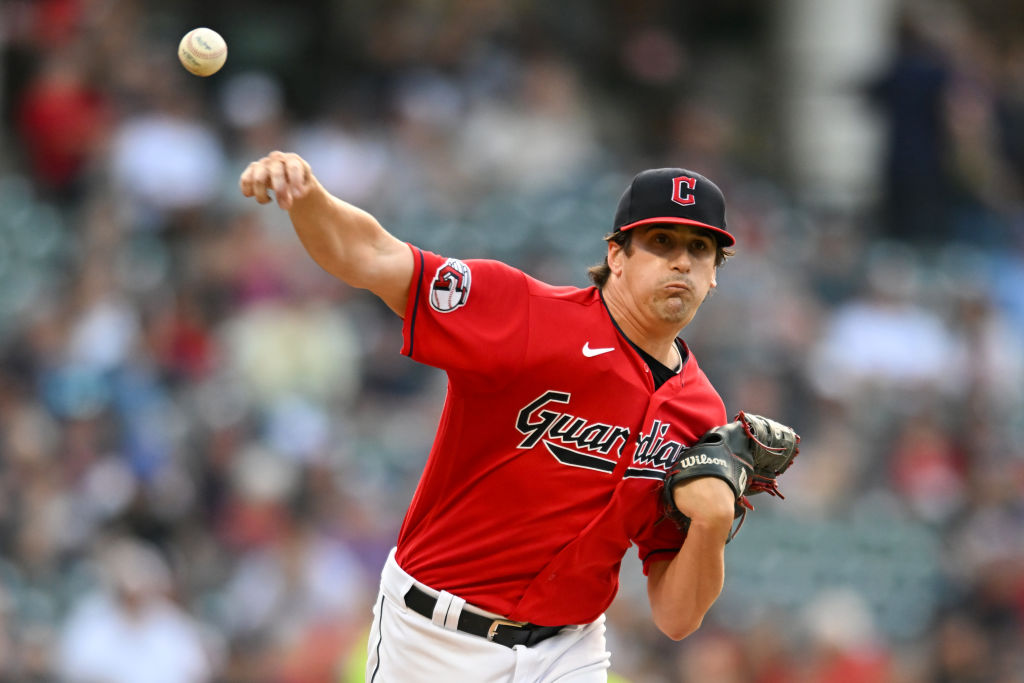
x: 449, y: 288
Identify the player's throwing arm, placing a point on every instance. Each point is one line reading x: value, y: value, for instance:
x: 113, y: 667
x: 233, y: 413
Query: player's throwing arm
x: 343, y: 239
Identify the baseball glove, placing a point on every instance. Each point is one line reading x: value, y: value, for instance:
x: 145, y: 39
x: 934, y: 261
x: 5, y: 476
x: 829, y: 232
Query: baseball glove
x: 748, y: 453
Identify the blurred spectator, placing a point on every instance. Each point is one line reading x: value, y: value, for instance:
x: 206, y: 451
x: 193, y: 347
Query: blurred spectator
x: 927, y: 468
x: 845, y: 647
x: 986, y: 191
x: 539, y: 132
x: 304, y: 595
x: 885, y: 339
x: 301, y: 349
x: 962, y: 652
x: 252, y: 105
x: 62, y: 121
x: 129, y: 630
x: 912, y: 94
x: 991, y: 344
x: 714, y: 656
x: 166, y: 159
x: 104, y: 323
x: 1010, y: 116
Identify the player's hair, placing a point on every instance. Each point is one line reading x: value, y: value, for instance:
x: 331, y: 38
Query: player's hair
x: 600, y: 272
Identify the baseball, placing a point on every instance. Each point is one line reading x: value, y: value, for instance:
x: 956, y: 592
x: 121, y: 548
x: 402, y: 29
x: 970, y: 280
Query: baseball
x: 202, y: 51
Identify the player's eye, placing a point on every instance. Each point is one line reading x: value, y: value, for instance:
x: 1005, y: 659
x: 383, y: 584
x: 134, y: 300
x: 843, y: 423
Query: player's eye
x: 656, y: 240
x: 700, y: 246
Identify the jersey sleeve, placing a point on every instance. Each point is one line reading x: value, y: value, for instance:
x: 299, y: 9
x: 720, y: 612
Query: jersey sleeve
x: 660, y: 540
x: 469, y: 318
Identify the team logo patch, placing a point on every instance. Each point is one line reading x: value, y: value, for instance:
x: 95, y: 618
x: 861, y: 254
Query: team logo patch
x: 681, y: 196
x: 450, y: 286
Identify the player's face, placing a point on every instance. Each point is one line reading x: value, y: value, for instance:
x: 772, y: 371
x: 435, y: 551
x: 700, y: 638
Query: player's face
x: 670, y: 271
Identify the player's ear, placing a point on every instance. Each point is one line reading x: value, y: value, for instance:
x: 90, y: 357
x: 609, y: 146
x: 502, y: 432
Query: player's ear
x: 616, y: 254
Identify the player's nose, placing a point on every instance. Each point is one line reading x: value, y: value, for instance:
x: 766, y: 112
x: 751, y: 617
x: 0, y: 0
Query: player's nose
x: 680, y: 260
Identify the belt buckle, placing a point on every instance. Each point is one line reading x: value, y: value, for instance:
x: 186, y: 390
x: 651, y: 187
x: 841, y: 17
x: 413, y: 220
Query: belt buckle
x: 493, y: 629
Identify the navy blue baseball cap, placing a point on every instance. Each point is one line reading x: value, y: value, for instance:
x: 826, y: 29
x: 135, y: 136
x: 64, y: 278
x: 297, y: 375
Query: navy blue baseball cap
x: 673, y: 195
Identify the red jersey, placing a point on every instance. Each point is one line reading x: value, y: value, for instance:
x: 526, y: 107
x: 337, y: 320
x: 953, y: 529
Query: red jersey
x: 551, y: 448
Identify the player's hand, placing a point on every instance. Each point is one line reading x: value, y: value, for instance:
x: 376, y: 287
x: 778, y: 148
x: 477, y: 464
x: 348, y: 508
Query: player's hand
x: 706, y: 499
x: 287, y: 174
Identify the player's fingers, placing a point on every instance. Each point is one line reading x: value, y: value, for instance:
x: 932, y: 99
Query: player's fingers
x: 279, y: 183
x: 245, y: 180
x: 254, y: 182
x: 287, y: 174
x: 298, y: 175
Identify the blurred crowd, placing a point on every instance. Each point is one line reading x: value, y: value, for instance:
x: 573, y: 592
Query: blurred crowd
x: 207, y: 444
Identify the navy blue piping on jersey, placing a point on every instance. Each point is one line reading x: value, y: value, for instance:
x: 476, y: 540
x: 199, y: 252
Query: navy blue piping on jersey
x: 415, y: 306
x: 643, y: 473
x: 380, y: 639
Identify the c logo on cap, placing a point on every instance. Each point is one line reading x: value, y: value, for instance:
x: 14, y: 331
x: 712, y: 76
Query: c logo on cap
x: 677, y: 190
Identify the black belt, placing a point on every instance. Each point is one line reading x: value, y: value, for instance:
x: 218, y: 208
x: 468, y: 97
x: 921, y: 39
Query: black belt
x: 501, y: 631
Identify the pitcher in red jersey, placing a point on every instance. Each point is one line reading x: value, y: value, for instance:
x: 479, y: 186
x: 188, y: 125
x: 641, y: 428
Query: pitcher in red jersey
x: 565, y: 406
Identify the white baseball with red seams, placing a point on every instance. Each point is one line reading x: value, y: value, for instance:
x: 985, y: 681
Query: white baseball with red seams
x: 202, y: 51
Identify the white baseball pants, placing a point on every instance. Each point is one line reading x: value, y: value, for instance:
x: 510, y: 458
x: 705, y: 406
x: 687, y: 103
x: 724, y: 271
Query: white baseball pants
x: 406, y: 647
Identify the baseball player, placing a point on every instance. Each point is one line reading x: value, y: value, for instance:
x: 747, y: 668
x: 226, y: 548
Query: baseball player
x: 565, y: 409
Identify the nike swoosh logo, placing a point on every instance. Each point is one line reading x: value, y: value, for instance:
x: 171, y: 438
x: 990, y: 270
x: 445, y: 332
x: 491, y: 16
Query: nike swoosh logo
x: 590, y: 353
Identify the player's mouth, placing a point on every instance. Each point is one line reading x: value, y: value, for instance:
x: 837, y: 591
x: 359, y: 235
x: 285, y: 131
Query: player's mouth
x: 677, y: 286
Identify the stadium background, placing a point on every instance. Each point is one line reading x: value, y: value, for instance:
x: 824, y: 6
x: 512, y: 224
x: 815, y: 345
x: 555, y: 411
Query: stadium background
x: 195, y: 418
